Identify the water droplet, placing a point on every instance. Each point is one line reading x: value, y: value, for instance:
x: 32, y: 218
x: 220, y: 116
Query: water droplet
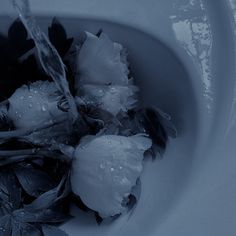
x: 100, y: 91
x: 35, y: 91
x: 102, y: 166
x: 22, y: 97
x: 30, y: 105
x: 30, y: 97
x: 112, y: 169
x: 120, y: 167
x: 44, y: 108
x: 113, y: 90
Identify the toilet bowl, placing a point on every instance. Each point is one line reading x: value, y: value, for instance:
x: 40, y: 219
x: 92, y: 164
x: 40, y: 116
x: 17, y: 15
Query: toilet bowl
x: 182, y: 54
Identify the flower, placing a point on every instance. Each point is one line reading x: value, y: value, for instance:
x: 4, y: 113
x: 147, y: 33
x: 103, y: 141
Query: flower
x: 103, y: 75
x: 101, y: 61
x: 34, y: 104
x: 105, y: 170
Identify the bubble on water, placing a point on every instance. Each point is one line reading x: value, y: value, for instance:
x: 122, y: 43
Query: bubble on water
x: 30, y: 96
x: 112, y: 169
x: 120, y: 167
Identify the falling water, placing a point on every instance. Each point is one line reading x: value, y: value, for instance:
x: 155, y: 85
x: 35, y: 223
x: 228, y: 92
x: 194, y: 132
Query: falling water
x: 48, y: 55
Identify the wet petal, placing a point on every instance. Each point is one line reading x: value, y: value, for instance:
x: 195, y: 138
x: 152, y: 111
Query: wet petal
x: 113, y: 99
x: 102, y: 61
x: 34, y: 104
x: 105, y: 170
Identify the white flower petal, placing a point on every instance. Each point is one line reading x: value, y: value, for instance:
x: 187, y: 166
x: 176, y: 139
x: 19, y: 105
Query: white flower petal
x: 105, y: 170
x: 113, y: 99
x: 102, y: 61
x: 34, y: 104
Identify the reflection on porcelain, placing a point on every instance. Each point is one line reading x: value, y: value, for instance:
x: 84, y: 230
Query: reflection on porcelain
x: 193, y: 31
x: 232, y: 119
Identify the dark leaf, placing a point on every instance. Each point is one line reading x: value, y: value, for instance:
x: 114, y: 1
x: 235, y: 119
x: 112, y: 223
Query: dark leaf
x: 51, y: 197
x: 98, y: 218
x: 58, y: 37
x: 100, y: 31
x: 49, y: 230
x: 3, y: 40
x: 154, y: 128
x: 158, y: 126
x: 5, y: 225
x: 18, y: 42
x: 10, y: 187
x: 17, y: 34
x: 166, y: 122
x: 24, y: 229
x: 51, y: 215
x: 34, y: 181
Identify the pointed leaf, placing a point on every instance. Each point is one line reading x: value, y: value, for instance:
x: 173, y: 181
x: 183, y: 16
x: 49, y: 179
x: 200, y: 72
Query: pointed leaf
x: 34, y: 181
x: 52, y: 231
x: 49, y: 198
x: 58, y: 37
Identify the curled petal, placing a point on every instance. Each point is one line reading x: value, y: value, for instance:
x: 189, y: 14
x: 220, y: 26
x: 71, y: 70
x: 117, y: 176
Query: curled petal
x: 106, y: 169
x: 113, y: 99
x: 102, y: 61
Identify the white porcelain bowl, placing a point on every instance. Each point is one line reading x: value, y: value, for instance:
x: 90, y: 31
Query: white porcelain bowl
x: 182, y: 53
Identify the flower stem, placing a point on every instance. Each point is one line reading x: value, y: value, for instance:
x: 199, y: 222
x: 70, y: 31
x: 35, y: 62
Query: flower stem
x: 24, y: 132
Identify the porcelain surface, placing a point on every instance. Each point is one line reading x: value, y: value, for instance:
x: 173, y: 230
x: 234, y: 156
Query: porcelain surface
x: 182, y: 53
